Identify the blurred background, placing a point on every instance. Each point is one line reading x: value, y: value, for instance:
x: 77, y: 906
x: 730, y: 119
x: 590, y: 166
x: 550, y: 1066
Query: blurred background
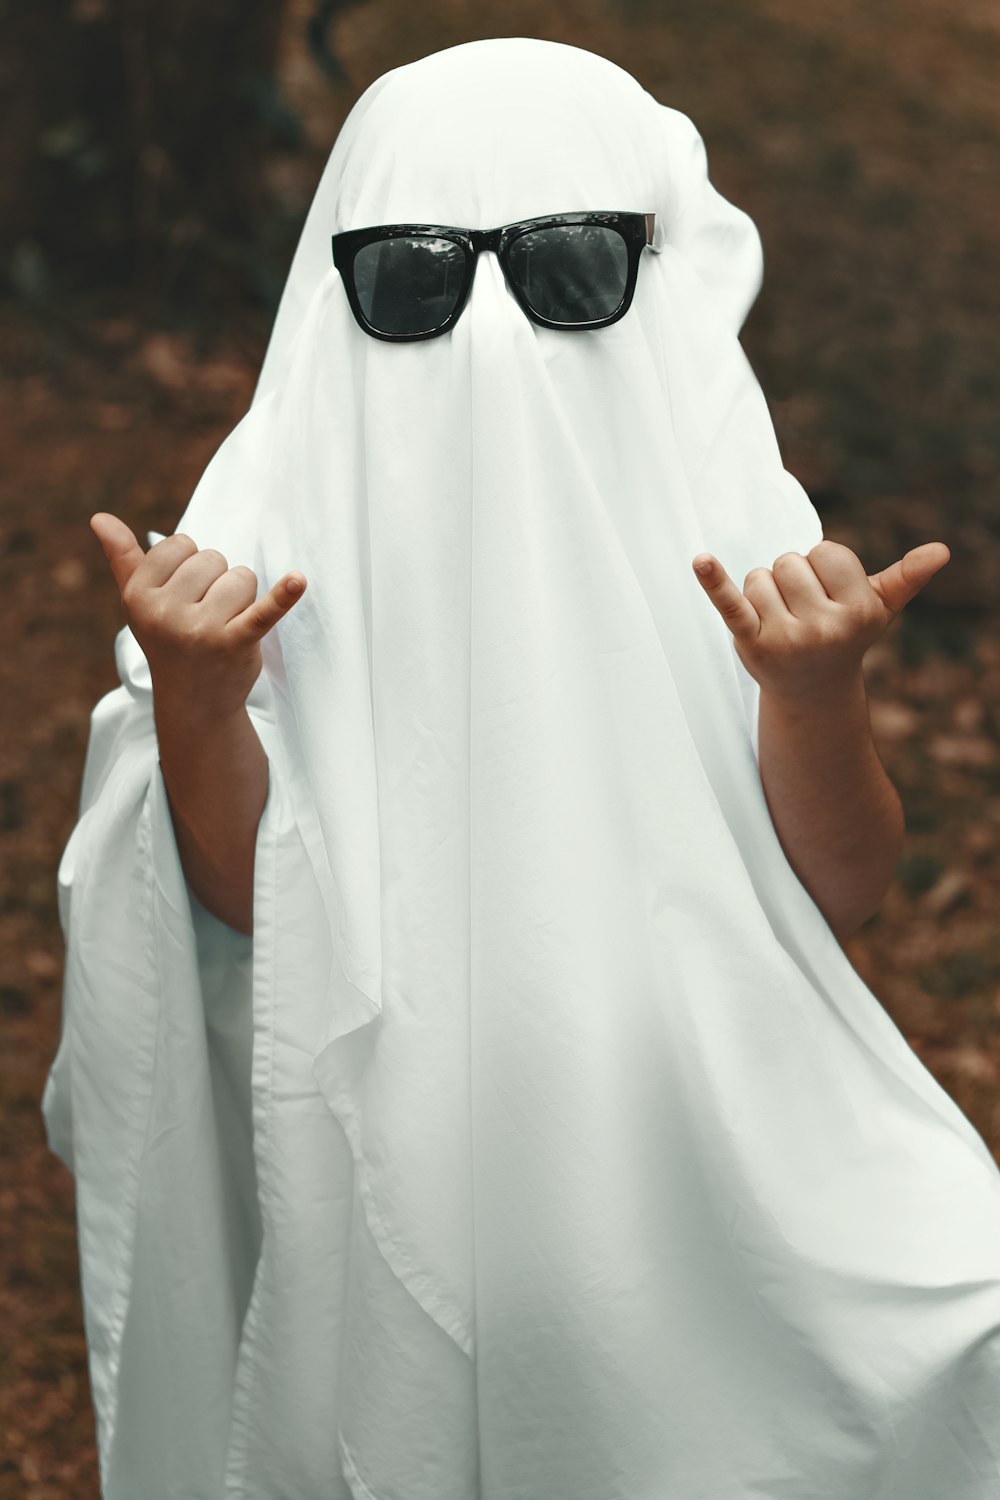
x: 156, y: 164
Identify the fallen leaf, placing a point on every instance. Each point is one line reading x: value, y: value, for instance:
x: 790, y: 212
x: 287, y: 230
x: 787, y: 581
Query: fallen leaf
x: 42, y: 965
x: 70, y: 574
x: 951, y: 890
x: 893, y: 721
x: 971, y: 752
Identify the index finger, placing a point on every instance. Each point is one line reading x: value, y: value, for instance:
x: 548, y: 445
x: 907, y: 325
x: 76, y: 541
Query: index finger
x: 839, y: 570
x: 732, y: 604
x: 254, y: 622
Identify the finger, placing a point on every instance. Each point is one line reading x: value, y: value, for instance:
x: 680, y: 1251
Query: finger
x: 231, y: 594
x: 163, y: 559
x: 119, y: 544
x: 801, y: 589
x: 840, y: 571
x: 898, y: 584
x: 194, y: 576
x: 761, y: 588
x: 255, y: 621
x: 737, y: 611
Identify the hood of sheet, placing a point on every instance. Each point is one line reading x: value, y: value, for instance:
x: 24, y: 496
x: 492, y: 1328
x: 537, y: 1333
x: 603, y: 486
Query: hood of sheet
x: 497, y: 525
x: 672, y: 1206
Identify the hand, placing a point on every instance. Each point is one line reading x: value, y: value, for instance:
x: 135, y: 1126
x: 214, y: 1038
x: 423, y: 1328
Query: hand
x: 195, y: 618
x: 802, y: 627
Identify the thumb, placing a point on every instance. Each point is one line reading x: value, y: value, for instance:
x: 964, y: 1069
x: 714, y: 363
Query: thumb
x: 901, y: 582
x: 120, y: 546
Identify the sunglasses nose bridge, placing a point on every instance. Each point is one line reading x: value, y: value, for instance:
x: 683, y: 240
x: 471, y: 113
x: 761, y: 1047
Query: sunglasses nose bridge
x: 485, y: 239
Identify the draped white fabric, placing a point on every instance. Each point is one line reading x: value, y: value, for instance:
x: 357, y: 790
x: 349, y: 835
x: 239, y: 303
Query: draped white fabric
x: 542, y: 1143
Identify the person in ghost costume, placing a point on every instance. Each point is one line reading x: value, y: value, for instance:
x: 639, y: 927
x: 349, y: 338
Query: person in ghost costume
x: 471, y: 1097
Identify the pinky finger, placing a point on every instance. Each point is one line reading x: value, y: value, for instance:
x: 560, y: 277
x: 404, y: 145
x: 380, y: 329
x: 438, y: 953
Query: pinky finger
x: 258, y: 618
x: 731, y: 603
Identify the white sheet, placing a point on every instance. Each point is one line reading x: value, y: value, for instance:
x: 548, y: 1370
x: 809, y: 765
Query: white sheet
x: 542, y: 1143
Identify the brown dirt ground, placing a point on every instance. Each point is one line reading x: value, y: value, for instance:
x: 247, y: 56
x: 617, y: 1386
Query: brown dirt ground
x: 865, y: 141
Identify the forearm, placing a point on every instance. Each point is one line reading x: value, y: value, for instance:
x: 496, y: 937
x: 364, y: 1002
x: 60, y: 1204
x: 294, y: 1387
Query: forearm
x: 216, y: 775
x: 837, y: 815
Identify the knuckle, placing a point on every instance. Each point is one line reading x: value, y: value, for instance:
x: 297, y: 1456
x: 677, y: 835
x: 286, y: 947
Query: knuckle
x: 856, y: 612
x: 245, y: 582
x: 783, y: 636
x: 180, y: 543
x: 828, y: 630
x: 861, y: 622
x: 215, y: 556
x: 196, y: 634
x: 157, y: 614
x: 786, y: 559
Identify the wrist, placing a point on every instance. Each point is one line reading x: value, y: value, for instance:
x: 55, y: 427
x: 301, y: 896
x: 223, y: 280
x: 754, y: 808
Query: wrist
x: 179, y: 710
x: 828, y: 697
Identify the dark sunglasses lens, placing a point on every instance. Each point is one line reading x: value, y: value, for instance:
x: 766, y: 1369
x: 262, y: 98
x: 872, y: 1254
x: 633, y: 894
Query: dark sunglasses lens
x: 571, y: 273
x: 410, y: 284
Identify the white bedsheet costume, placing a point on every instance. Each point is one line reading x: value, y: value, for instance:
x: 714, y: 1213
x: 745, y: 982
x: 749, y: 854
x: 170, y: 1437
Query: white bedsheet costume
x: 542, y: 1143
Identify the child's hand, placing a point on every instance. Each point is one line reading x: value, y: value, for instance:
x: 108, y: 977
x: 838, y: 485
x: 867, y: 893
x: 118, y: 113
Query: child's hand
x: 802, y: 627
x: 195, y: 618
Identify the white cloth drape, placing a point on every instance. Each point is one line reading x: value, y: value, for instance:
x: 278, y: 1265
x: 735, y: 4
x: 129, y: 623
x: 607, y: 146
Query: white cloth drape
x: 542, y: 1143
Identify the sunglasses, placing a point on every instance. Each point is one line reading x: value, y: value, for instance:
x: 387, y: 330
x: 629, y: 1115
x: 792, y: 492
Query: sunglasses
x: 570, y: 271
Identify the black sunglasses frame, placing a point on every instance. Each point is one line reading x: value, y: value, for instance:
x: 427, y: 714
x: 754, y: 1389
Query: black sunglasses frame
x: 636, y: 229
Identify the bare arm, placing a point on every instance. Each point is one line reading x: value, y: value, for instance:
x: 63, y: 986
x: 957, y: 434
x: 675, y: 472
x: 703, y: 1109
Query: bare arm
x: 216, y: 775
x: 801, y: 630
x: 200, y: 625
x: 835, y: 811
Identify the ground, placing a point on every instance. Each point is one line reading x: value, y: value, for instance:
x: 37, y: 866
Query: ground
x: 865, y: 142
